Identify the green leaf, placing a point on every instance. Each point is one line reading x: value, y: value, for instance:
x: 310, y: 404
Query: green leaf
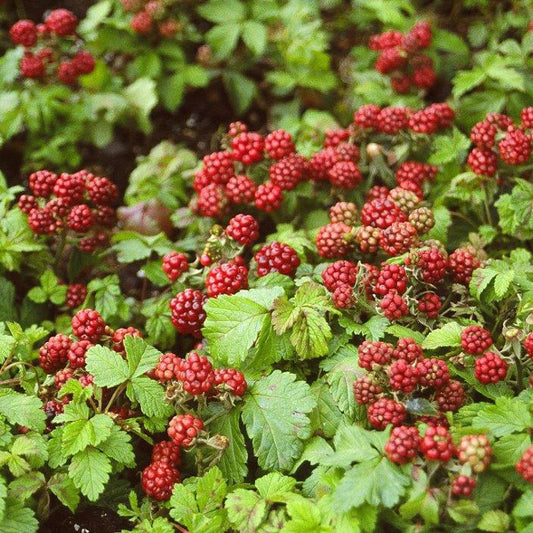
x: 222, y: 12
x: 117, y: 446
x: 24, y: 486
x: 507, y: 415
x: 466, y: 80
x: 449, y: 148
x: 305, y: 517
x: 254, y: 35
x: 89, y: 470
x: 150, y: 395
x: 107, y: 366
x: 342, y: 372
x: 448, y: 335
x: 18, y: 519
x: 141, y: 356
x: 495, y: 520
x: 23, y: 410
x: 82, y: 433
x: 241, y: 90
x: 223, y: 39
x: 515, y: 210
x: 63, y: 487
x: 246, y: 510
x: 277, y: 435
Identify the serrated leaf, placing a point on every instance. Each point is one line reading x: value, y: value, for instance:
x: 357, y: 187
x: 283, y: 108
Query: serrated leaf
x: 89, y: 470
x: 107, y: 366
x: 310, y: 335
x: 63, y: 487
x: 447, y: 336
x: 18, y: 519
x: 24, y: 486
x: 150, y: 395
x: 141, y: 356
x: 495, y: 520
x: 23, y: 410
x: 246, y: 510
x: 118, y: 447
x: 211, y: 490
x: 343, y: 371
x: 507, y: 415
x: 82, y: 433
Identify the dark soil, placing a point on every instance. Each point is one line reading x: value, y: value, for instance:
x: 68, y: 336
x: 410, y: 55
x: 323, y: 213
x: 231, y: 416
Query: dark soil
x: 89, y: 520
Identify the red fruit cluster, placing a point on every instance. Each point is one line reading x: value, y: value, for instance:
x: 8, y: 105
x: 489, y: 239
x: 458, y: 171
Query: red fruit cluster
x: 401, y: 57
x: 525, y: 465
x: 153, y: 17
x: 195, y: 374
x: 403, y: 444
x: 188, y: 313
x: 227, y: 278
x: 174, y: 265
x: 244, y: 229
x: 276, y: 257
x: 185, y: 429
x: 158, y: 480
x: 230, y: 379
x: 490, y: 368
x: 475, y: 340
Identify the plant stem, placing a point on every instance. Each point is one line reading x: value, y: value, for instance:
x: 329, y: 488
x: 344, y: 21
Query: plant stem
x: 59, y: 251
x: 116, y: 394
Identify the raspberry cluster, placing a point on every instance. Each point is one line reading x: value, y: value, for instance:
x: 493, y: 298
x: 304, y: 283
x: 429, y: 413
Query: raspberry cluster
x: 76, y: 203
x: 52, y: 49
x: 402, y: 58
x: 154, y: 17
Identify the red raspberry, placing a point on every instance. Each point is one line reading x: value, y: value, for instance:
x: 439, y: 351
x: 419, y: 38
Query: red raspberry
x: 528, y: 345
x: 87, y: 324
x: 212, y: 201
x: 345, y: 174
x: 419, y: 35
x: 334, y: 240
x: 247, y: 148
x: 41, y: 221
x: 425, y: 121
x: 232, y: 378
x: 321, y: 163
x: 437, y: 444
x: 76, y: 294
x: 67, y: 73
x: 390, y: 59
x: 370, y: 278
x: 367, y: 116
x: 392, y: 120
x: 462, y: 264
x: 381, y: 213
x: 343, y: 296
x: 90, y: 244
x: 339, y: 273
x: 408, y: 350
x: 237, y: 127
x: 476, y: 451
x: 365, y: 390
x: 398, y: 238
x: 32, y: 66
x: 156, y: 8
x: 490, y: 368
x: 218, y: 166
x: 174, y: 265
x: 240, y: 190
x: 276, y: 257
x: 402, y: 446
x: 70, y: 187
x: 61, y: 377
x: 142, y: 22
x: 80, y: 218
x: 169, y: 28
x: 501, y: 121
x: 102, y: 191
x: 289, y: 171
x: 475, y: 340
x: 83, y: 62
x: 388, y: 39
x: 483, y: 162
x: 413, y: 171
x: 227, y: 278
x: 515, y: 147
x: 394, y: 306
x: 463, y: 485
x: 483, y: 135
x: 166, y: 451
x: 424, y: 77
x: 158, y: 480
x: 196, y: 374
x: 432, y: 265
x: 525, y: 465
x: 374, y: 354
x: 119, y: 335
x: 400, y: 83
x: 184, y: 429
x: 403, y: 376
x: 392, y: 277
x: 61, y: 22
x: 24, y: 32
x: 451, y: 396
x: 384, y: 412
x: 526, y: 117
x: 105, y: 216
x: 77, y: 352
x: 377, y: 192
x: 345, y: 212
x: 27, y: 203
x: 278, y: 144
x: 268, y: 197
x: 244, y: 229
x: 335, y: 137
x: 53, y: 408
x: 201, y: 180
x: 188, y: 313
x: 433, y: 373
x: 368, y: 239
x: 86, y: 380
x: 58, y: 207
x: 167, y: 367
x: 348, y: 152
x: 53, y: 354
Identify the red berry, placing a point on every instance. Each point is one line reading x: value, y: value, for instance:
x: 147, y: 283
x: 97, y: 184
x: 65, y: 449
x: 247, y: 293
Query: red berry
x: 501, y: 121
x: 515, y: 147
x: 525, y: 465
x: 392, y: 120
x: 167, y: 367
x: 212, y: 201
x: 83, y: 62
x: 425, y: 121
x: 62, y: 376
x: 24, y: 32
x: 237, y: 127
x: 244, y: 229
x: 451, y: 396
x: 158, y: 480
x: 104, y: 216
x: 384, y: 412
x: 77, y: 352
x: 432, y: 264
x: 437, y: 444
x: 184, y: 429
x: 408, y: 350
x: 367, y: 116
x: 419, y: 35
x: 528, y: 345
x: 345, y: 174
x: 343, y: 296
x: 463, y: 485
x: 27, y: 203
x: 476, y: 451
x: 334, y: 240
x: 483, y: 161
x: 321, y: 163
x: 102, y: 191
x: 174, y: 265
x: 240, y: 190
x: 201, y: 180
x: 402, y: 446
x: 394, y: 306
x: 76, y: 294
x: 188, y: 313
x: 339, y: 273
x: 227, y: 278
x: 53, y: 354
x: 398, y: 238
x: 382, y: 41
x: 32, y: 66
x: 142, y: 22
x: 218, y: 166
x: 381, y: 213
x: 247, y: 148
x: 374, y: 354
x: 462, y: 264
x: 196, y: 374
x: 335, y: 137
x: 42, y: 221
x: 475, y: 340
x: 87, y: 324
x: 483, y: 135
x: 268, y: 197
x: 413, y: 171
x: 390, y: 59
x: 276, y: 257
x: 490, y: 368
x: 400, y: 83
x: 232, y: 378
x: 424, y: 77
x: 289, y: 171
x: 392, y: 277
x: 62, y: 22
x: 433, y: 373
x: 365, y: 390
x: 119, y: 335
x: 166, y: 451
x: 86, y: 380
x: 67, y: 73
x: 526, y: 117
x: 80, y: 218
x: 70, y: 187
x: 403, y: 376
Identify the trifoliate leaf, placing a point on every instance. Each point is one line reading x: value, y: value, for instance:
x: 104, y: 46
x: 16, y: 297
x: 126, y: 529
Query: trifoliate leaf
x: 275, y: 486
x: 150, y: 395
x: 141, y: 356
x: 118, y: 447
x: 90, y: 471
x: 107, y: 366
x: 275, y: 415
x: 507, y: 415
x: 21, y: 409
x: 78, y: 435
x: 448, y: 335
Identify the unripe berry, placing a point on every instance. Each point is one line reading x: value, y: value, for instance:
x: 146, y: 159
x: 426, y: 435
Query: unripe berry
x: 476, y: 451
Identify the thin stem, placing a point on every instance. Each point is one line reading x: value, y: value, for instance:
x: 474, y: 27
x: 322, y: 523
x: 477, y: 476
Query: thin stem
x: 486, y: 204
x: 116, y: 394
x: 59, y: 251
x: 9, y: 381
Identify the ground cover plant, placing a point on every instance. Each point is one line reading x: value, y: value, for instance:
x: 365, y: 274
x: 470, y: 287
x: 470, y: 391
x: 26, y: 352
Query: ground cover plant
x: 266, y: 266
